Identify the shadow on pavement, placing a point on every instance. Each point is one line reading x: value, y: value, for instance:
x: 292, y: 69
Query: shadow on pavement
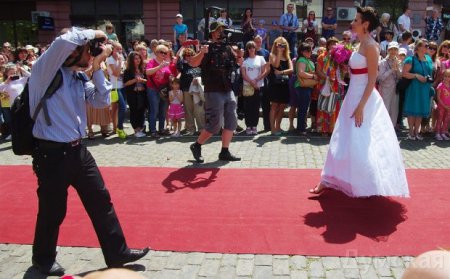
x: 345, y: 217
x: 193, y: 176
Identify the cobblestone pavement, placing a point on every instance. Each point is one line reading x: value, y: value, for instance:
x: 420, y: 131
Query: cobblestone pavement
x: 262, y: 151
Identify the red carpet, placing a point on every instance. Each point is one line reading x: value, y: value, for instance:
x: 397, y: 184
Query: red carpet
x: 243, y: 211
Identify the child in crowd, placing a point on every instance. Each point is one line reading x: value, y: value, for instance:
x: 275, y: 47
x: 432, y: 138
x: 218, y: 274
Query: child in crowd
x: 178, y: 29
x: 176, y: 111
x: 262, y: 32
x: 443, y: 107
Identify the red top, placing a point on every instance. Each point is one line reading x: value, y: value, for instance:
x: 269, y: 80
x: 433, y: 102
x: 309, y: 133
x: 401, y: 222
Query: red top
x: 358, y: 71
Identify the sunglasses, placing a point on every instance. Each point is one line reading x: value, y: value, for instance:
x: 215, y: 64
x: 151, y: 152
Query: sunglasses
x: 432, y: 48
x: 445, y: 46
x: 281, y: 45
x: 163, y: 52
x: 346, y: 39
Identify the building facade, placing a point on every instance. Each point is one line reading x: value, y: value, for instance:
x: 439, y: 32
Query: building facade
x: 21, y: 21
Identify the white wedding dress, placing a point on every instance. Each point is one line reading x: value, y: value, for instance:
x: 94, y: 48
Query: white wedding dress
x: 364, y: 161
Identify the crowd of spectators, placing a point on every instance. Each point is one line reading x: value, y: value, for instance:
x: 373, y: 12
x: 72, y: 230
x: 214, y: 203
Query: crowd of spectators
x: 275, y: 63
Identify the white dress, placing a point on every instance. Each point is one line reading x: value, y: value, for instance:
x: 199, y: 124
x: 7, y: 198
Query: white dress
x: 364, y: 161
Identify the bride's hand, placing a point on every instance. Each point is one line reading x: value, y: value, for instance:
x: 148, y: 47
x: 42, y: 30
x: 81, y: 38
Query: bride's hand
x: 358, y: 115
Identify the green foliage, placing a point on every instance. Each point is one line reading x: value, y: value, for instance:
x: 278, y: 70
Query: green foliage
x: 392, y: 7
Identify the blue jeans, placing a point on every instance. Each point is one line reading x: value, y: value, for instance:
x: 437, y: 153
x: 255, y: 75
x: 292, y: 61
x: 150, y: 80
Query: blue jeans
x: 303, y: 99
x: 122, y: 108
x: 157, y: 110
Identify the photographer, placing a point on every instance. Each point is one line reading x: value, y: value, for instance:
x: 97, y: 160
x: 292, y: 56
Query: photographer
x: 217, y: 61
x: 60, y: 158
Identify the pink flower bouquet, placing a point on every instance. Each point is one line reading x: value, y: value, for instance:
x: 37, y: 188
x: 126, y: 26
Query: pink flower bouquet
x: 340, y: 54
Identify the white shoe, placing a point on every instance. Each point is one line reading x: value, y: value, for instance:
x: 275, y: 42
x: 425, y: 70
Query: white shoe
x: 444, y: 137
x: 8, y: 138
x: 248, y: 131
x: 175, y: 135
x: 139, y: 134
x: 439, y: 137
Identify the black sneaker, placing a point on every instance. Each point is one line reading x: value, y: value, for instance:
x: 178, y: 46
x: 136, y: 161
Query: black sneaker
x: 227, y: 156
x: 197, y: 152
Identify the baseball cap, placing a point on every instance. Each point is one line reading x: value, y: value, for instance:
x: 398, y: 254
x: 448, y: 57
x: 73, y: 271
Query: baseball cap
x: 215, y: 25
x: 393, y: 45
x: 402, y: 51
x: 179, y: 15
x: 30, y: 47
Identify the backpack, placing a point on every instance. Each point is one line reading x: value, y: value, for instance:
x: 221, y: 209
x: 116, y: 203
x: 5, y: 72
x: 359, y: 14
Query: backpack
x: 21, y: 121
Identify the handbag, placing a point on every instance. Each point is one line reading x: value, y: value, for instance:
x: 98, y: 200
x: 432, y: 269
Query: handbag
x: 248, y: 90
x: 327, y: 104
x: 307, y: 82
x: 281, y: 79
x: 163, y: 91
x: 114, y: 94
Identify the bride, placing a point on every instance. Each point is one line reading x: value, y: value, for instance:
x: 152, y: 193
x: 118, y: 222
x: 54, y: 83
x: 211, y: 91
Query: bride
x: 364, y: 157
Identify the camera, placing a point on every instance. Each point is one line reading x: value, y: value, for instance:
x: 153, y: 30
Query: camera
x: 95, y: 46
x: 429, y: 79
x: 14, y: 77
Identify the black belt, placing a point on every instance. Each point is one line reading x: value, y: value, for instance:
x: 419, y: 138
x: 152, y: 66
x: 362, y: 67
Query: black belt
x: 54, y: 144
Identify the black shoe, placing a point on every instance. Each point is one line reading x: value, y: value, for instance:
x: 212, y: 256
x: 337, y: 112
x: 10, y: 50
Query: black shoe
x: 53, y: 269
x: 197, y: 152
x: 131, y: 255
x: 227, y: 156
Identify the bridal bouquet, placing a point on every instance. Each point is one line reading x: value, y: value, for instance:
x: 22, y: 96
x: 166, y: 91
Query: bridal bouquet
x: 340, y: 54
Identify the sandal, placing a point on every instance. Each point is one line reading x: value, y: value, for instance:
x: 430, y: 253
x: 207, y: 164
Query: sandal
x: 91, y: 136
x: 315, y: 190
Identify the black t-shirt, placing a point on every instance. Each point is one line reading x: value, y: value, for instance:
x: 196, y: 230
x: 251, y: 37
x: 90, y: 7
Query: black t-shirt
x: 188, y: 73
x: 217, y: 66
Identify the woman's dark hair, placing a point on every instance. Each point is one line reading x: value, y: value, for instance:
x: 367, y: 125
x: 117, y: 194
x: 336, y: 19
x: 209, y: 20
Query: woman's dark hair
x: 244, y: 16
x: 303, y: 47
x: 130, y: 62
x: 330, y: 41
x: 368, y: 14
x: 247, y: 46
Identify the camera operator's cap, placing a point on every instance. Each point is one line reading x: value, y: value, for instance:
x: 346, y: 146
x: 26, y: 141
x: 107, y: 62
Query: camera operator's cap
x: 179, y: 15
x: 393, y: 45
x: 216, y: 25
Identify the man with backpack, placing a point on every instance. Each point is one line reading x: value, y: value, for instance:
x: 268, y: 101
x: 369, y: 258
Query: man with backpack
x: 60, y: 158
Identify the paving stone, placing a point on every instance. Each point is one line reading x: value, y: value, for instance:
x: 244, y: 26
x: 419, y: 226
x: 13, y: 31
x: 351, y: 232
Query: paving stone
x: 281, y: 266
x: 195, y: 258
x: 263, y: 260
x: 334, y: 274
x: 395, y: 261
x: 351, y: 272
x: 299, y: 262
x: 316, y: 269
x: 245, y: 267
x: 263, y: 272
x: 213, y: 256
x: 347, y: 262
x: 299, y: 274
x: 331, y: 262
x: 227, y: 272
x: 176, y: 261
x: 209, y: 267
x: 398, y: 272
x: 246, y: 256
x: 364, y: 260
x: 368, y: 273
x: 229, y: 260
x: 157, y: 263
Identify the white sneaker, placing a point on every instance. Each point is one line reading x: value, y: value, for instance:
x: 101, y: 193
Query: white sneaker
x: 139, y: 134
x: 175, y: 135
x: 439, y: 137
x: 8, y: 138
x: 444, y: 137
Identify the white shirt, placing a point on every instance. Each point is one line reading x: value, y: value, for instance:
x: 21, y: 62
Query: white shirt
x: 224, y: 21
x: 253, y: 68
x: 117, y: 82
x: 405, y: 21
x: 14, y: 87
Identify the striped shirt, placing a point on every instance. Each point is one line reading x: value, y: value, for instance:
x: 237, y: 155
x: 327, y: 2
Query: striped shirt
x: 67, y: 107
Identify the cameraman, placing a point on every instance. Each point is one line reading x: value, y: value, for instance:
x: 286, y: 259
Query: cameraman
x: 60, y: 158
x: 217, y: 60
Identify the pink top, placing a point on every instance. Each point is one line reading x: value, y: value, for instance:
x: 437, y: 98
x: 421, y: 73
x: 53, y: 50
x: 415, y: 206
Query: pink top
x: 160, y: 77
x: 444, y: 93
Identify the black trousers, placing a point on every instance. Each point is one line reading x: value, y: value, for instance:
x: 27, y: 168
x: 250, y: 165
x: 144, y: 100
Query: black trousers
x: 265, y: 105
x: 137, y: 100
x: 57, y: 166
x: 251, y: 109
